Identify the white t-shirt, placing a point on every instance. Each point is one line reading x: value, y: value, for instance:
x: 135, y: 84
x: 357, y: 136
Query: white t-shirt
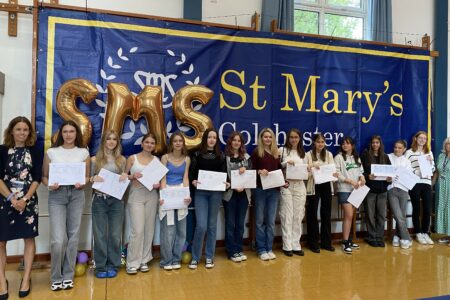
x: 63, y: 155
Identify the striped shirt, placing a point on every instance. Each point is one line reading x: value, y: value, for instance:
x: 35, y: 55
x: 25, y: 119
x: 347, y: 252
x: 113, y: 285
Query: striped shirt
x: 413, y: 157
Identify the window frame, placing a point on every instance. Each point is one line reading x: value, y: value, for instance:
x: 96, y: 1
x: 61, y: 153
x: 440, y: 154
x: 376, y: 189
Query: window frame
x: 322, y: 7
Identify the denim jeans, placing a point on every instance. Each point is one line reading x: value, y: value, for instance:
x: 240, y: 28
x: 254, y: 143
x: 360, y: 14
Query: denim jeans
x: 235, y: 212
x: 375, y: 207
x: 398, y: 201
x: 266, y: 203
x: 65, y: 207
x: 207, y: 204
x: 172, y: 240
x: 107, y: 223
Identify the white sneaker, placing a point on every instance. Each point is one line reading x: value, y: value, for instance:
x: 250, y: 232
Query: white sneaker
x: 144, y: 268
x: 264, y: 256
x: 176, y: 266
x: 405, y: 244
x: 168, y: 267
x: 421, y: 239
x: 209, y: 264
x: 271, y: 255
x: 396, y: 241
x: 243, y: 256
x: 428, y: 239
x: 236, y: 257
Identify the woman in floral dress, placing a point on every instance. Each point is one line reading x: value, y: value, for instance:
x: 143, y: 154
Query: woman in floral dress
x: 20, y: 174
x: 443, y: 202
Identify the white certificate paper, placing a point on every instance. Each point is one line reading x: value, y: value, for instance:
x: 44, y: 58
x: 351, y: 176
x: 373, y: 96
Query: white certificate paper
x: 272, y: 180
x: 174, y: 197
x: 246, y: 180
x: 153, y: 173
x: 67, y: 173
x: 111, y: 184
x: 211, y: 181
x: 405, y: 177
x: 425, y: 166
x: 324, y: 174
x: 358, y: 195
x: 297, y: 171
x: 382, y: 170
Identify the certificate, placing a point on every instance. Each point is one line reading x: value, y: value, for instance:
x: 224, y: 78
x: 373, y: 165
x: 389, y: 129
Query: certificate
x: 358, y: 195
x: 405, y: 177
x: 153, y: 173
x: 246, y: 180
x: 174, y: 197
x: 211, y: 181
x: 272, y: 180
x: 297, y: 171
x: 382, y: 170
x: 425, y: 166
x: 324, y: 174
x: 111, y: 184
x: 67, y: 173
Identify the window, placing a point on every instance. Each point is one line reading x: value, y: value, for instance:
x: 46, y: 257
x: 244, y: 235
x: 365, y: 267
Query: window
x: 340, y: 18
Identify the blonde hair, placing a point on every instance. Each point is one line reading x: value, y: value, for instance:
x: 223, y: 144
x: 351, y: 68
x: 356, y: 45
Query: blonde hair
x: 446, y: 141
x: 260, y: 144
x: 100, y: 157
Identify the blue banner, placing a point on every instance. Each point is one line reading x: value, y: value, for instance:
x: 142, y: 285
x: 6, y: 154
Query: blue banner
x: 259, y: 79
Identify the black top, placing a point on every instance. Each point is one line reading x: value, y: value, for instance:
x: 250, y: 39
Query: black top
x: 208, y: 161
x: 376, y: 186
x: 36, y: 158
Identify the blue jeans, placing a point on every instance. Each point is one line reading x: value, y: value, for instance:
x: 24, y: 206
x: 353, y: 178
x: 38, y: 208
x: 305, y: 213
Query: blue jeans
x: 107, y: 223
x: 235, y: 212
x: 172, y: 240
x: 207, y: 204
x: 266, y: 202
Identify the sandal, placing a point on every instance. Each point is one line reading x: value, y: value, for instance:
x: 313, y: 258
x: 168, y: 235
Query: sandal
x: 56, y: 286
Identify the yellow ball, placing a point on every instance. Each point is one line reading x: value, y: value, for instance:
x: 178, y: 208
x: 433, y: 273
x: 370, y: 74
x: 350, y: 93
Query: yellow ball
x: 186, y: 257
x: 80, y: 269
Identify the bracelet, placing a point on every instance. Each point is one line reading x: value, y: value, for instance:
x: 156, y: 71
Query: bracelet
x: 10, y: 196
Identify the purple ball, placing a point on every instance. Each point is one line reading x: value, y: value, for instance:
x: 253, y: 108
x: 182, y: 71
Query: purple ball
x: 82, y: 258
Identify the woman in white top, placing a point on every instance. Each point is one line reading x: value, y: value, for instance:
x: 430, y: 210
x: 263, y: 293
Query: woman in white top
x: 293, y: 197
x: 317, y: 157
x: 422, y: 190
x: 142, y: 206
x: 351, y: 177
x: 398, y: 197
x: 65, y: 205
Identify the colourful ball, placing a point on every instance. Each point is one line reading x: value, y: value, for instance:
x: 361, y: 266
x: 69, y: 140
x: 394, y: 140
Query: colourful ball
x: 186, y: 257
x: 80, y: 269
x: 82, y: 258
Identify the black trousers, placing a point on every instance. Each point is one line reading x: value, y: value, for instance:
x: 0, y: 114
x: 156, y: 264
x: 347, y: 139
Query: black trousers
x: 421, y: 191
x: 323, y: 192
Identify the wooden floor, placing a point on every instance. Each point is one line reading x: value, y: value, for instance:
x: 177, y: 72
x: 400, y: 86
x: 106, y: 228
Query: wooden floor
x: 370, y: 273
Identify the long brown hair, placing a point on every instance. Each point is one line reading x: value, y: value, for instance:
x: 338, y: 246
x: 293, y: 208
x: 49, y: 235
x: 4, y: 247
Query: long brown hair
x: 229, y: 148
x: 8, y: 139
x: 323, y: 152
x: 355, y: 155
x: 101, y: 158
x: 204, y: 144
x: 260, y: 144
x: 149, y: 135
x: 172, y: 138
x: 414, y: 144
x: 59, y: 138
x: 288, y: 146
x: 381, y: 153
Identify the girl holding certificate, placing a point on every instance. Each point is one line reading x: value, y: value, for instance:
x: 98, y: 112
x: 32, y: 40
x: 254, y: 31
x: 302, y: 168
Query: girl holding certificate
x: 293, y: 198
x: 375, y: 202
x: 207, y: 203
x: 107, y: 211
x: 142, y: 206
x: 443, y: 207
x: 173, y: 222
x: 398, y: 197
x: 317, y: 157
x: 20, y: 174
x: 422, y: 190
x: 351, y: 177
x: 235, y: 201
x: 265, y: 158
x: 65, y: 205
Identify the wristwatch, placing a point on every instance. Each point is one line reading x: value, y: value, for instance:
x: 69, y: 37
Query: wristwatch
x: 26, y: 200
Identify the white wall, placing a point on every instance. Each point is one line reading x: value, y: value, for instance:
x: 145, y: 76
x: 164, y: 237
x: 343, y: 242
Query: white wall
x: 411, y: 19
